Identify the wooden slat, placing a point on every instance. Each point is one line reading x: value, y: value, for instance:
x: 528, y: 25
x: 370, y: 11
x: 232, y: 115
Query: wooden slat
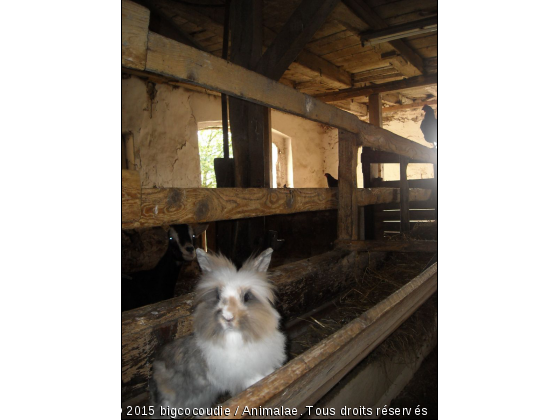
x: 131, y: 196
x: 308, y: 377
x: 300, y: 286
x: 347, y: 184
x: 368, y: 196
x: 405, y: 192
x: 134, y: 41
x: 390, y: 246
x: 184, y: 63
x: 380, y: 88
x: 377, y: 156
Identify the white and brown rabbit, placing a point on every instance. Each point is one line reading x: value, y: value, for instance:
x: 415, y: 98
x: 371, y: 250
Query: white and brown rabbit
x: 236, y: 341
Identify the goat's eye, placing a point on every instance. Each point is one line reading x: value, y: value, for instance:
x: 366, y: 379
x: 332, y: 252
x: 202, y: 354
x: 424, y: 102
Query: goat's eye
x: 248, y: 296
x: 170, y: 238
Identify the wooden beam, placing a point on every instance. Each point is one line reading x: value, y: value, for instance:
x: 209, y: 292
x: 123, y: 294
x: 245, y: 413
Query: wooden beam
x: 405, y: 191
x: 377, y: 156
x: 397, y: 108
x: 146, y: 329
x: 130, y: 196
x: 306, y: 19
x: 417, y: 27
x: 184, y: 63
x: 327, y: 71
x: 368, y: 196
x: 200, y: 205
x: 412, y: 65
x: 305, y: 379
x: 347, y: 184
x: 389, y: 246
x: 427, y: 183
x: 134, y: 35
x: 413, y: 82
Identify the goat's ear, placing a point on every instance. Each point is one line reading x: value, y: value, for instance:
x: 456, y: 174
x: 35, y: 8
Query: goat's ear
x: 262, y: 262
x: 198, y: 229
x: 203, y: 260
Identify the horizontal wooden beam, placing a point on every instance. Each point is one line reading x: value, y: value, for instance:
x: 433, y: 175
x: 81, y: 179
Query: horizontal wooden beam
x: 300, y: 287
x: 415, y: 214
x: 389, y: 246
x: 427, y: 183
x: 166, y: 206
x: 183, y: 63
x: 130, y: 196
x: 420, y: 104
x: 305, y: 379
x: 377, y: 156
x: 391, y: 33
x: 412, y: 82
x: 369, y: 196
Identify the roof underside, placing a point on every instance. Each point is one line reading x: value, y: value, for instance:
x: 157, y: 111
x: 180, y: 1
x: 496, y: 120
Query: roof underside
x: 336, y: 57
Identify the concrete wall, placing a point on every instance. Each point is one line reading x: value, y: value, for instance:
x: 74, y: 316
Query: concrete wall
x: 166, y: 144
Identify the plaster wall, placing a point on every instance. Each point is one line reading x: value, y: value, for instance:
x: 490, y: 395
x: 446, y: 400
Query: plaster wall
x: 166, y: 142
x: 406, y: 123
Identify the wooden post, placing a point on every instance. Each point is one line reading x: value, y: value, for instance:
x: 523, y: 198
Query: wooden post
x: 348, y: 215
x: 405, y: 214
x: 374, y: 226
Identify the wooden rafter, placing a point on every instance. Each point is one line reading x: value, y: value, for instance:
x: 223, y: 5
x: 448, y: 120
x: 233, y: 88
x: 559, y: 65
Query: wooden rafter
x: 308, y: 17
x: 413, y: 82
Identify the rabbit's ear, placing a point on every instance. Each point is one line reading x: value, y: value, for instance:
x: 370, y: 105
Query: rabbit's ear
x: 203, y: 260
x: 262, y: 262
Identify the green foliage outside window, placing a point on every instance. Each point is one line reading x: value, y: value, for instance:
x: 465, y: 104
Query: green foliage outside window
x: 211, y: 146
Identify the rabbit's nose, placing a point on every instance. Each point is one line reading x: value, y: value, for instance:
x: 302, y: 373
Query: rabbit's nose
x: 228, y: 316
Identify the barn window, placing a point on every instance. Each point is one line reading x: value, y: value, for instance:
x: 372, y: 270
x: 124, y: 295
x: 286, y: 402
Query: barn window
x: 210, y: 146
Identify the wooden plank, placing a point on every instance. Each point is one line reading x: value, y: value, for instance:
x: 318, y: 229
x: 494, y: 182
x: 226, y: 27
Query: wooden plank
x: 347, y: 184
x: 324, y: 69
x: 417, y: 27
x: 134, y: 35
x: 308, y: 377
x: 184, y: 63
x: 368, y: 196
x: 415, y: 214
x: 306, y: 19
x: 131, y: 196
x: 389, y: 246
x: 377, y: 156
x: 200, y: 205
x: 412, y: 82
x: 427, y: 183
x: 405, y: 191
x: 146, y: 329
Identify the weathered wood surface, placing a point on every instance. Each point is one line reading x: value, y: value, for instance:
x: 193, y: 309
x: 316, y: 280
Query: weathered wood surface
x: 180, y: 62
x: 367, y: 196
x: 405, y: 194
x: 377, y: 156
x: 306, y: 19
x: 131, y: 195
x: 308, y: 377
x: 135, y: 20
x: 200, y: 205
x: 389, y: 246
x: 300, y: 286
x: 414, y: 215
x: 348, y: 221
x: 420, y: 104
x: 379, y: 88
x: 426, y: 183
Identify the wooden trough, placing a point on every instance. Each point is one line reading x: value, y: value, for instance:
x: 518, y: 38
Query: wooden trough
x: 302, y: 285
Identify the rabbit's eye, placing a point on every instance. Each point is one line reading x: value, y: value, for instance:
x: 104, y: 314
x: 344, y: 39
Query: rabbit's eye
x: 218, y: 294
x: 248, y: 296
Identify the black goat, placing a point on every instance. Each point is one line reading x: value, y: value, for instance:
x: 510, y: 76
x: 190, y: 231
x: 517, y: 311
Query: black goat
x: 150, y: 286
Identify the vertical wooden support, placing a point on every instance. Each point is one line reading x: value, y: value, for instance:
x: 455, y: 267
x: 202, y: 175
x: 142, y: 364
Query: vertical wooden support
x: 373, y: 225
x: 348, y: 215
x: 405, y: 207
x: 436, y: 188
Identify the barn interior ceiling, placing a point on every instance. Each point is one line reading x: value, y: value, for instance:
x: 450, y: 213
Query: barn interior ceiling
x: 358, y: 47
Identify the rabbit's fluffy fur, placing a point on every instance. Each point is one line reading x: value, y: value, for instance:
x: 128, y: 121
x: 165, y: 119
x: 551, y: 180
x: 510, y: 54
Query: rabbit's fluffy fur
x: 236, y: 341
